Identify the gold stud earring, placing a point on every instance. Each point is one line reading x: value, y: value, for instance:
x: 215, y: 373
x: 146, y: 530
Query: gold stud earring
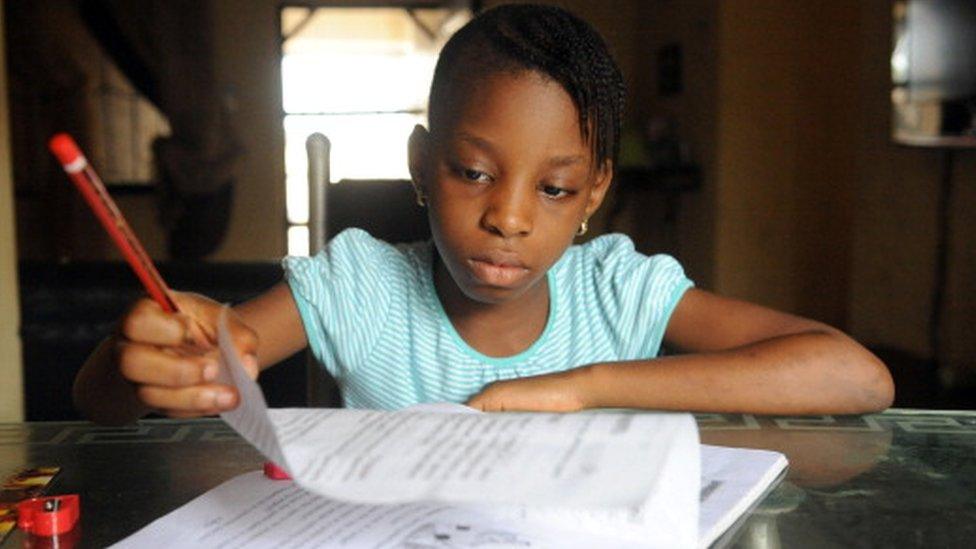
x: 421, y: 199
x: 582, y: 228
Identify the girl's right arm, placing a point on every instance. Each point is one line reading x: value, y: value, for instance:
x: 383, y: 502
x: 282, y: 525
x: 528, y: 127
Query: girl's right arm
x: 167, y: 362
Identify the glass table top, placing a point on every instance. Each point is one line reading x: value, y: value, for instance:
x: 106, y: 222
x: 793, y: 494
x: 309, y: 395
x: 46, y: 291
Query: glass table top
x: 902, y: 478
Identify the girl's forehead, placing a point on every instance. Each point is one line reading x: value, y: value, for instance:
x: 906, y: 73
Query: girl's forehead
x: 513, y: 108
x: 493, y: 93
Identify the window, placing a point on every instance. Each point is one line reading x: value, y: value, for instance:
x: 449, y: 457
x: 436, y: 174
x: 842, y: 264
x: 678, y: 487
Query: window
x: 361, y: 77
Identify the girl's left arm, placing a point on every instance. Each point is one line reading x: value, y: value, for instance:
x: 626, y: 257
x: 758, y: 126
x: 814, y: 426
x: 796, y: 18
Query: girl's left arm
x: 737, y: 357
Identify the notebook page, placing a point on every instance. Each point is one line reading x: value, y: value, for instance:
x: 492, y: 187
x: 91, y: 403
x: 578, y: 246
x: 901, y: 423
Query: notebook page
x: 368, y: 456
x: 251, y: 511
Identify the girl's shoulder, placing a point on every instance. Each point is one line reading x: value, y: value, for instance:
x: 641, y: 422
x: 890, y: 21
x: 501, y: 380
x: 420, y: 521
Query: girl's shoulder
x: 608, y: 248
x: 613, y: 256
x: 355, y: 244
x: 357, y: 257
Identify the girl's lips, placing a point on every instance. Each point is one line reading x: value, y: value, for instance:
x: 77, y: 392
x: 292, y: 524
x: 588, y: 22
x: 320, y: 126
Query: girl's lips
x: 497, y: 273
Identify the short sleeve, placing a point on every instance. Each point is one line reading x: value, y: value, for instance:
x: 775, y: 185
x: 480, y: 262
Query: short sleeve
x: 638, y: 293
x: 343, y: 296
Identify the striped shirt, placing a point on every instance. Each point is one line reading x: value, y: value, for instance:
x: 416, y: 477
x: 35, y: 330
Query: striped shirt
x: 374, y: 320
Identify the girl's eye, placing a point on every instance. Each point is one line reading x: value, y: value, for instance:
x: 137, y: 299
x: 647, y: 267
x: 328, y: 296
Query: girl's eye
x: 473, y: 175
x: 552, y: 191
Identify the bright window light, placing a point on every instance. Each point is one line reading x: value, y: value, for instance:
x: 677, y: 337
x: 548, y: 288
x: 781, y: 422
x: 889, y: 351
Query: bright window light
x: 360, y: 76
x: 298, y: 240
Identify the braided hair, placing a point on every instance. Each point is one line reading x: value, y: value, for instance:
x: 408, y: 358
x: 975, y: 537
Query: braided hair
x: 547, y: 40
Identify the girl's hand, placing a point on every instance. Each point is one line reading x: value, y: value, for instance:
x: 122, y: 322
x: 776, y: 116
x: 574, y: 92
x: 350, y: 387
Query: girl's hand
x: 172, y: 360
x: 556, y: 392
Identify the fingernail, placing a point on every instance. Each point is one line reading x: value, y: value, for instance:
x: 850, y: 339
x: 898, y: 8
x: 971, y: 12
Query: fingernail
x: 224, y: 399
x: 206, y: 398
x: 210, y: 371
x: 250, y: 361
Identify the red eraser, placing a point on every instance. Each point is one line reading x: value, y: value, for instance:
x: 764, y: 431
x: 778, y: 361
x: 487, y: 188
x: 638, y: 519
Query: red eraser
x: 49, y: 516
x: 64, y: 148
x: 274, y: 472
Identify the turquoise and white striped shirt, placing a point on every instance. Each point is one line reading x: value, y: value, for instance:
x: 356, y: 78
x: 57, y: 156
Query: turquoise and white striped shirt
x: 374, y: 320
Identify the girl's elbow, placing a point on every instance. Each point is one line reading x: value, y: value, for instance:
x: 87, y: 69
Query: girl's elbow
x: 870, y: 386
x: 878, y: 388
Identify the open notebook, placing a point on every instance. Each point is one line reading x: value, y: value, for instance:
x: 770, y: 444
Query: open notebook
x: 255, y: 512
x: 447, y: 476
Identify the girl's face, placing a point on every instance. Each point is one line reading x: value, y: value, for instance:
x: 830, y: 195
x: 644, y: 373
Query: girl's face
x: 508, y: 181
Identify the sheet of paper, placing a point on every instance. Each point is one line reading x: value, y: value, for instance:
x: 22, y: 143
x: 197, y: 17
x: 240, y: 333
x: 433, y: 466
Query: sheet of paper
x: 733, y: 479
x: 580, y: 459
x: 251, y: 511
x: 254, y: 512
x: 611, y: 460
x: 250, y: 419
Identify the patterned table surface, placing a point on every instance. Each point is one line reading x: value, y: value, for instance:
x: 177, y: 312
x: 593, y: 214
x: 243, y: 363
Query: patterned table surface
x: 902, y: 478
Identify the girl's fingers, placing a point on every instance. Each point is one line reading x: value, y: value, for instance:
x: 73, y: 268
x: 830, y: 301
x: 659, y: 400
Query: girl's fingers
x: 194, y: 328
x: 245, y: 341
x: 204, y: 312
x: 147, y: 364
x: 198, y: 400
x: 208, y: 313
x: 147, y: 322
x: 172, y: 357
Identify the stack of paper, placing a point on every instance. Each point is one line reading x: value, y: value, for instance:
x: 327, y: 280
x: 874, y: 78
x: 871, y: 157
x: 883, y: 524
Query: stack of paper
x: 255, y: 512
x: 425, y: 477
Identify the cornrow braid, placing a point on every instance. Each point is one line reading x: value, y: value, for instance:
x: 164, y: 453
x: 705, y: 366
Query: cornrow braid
x: 548, y: 40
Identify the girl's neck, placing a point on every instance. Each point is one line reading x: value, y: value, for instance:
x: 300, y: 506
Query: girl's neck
x: 494, y: 329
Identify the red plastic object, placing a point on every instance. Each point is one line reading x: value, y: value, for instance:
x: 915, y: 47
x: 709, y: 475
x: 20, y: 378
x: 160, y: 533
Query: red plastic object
x: 49, y: 516
x: 274, y: 472
x: 64, y: 148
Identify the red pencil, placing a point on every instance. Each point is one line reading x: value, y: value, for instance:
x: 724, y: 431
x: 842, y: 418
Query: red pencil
x: 93, y: 191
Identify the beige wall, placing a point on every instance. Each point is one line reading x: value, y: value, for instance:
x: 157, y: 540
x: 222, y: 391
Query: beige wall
x: 248, y: 65
x: 807, y: 205
x: 11, y: 394
x: 817, y: 211
x: 786, y: 140
x: 960, y: 315
x: 772, y: 220
x: 757, y: 148
x: 693, y: 25
x: 893, y: 257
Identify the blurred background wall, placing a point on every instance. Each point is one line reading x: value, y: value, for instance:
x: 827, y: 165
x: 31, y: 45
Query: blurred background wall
x: 804, y: 202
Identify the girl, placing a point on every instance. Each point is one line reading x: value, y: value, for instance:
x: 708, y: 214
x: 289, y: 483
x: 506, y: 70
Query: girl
x: 499, y: 310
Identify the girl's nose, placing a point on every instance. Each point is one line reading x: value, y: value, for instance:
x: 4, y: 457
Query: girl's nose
x: 509, y: 212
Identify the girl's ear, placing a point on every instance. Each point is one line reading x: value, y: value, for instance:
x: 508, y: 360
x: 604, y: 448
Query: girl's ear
x: 601, y: 184
x: 417, y: 154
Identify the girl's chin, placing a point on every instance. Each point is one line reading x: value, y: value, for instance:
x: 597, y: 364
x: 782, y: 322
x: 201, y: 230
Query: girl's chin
x: 476, y: 290
x: 491, y: 294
